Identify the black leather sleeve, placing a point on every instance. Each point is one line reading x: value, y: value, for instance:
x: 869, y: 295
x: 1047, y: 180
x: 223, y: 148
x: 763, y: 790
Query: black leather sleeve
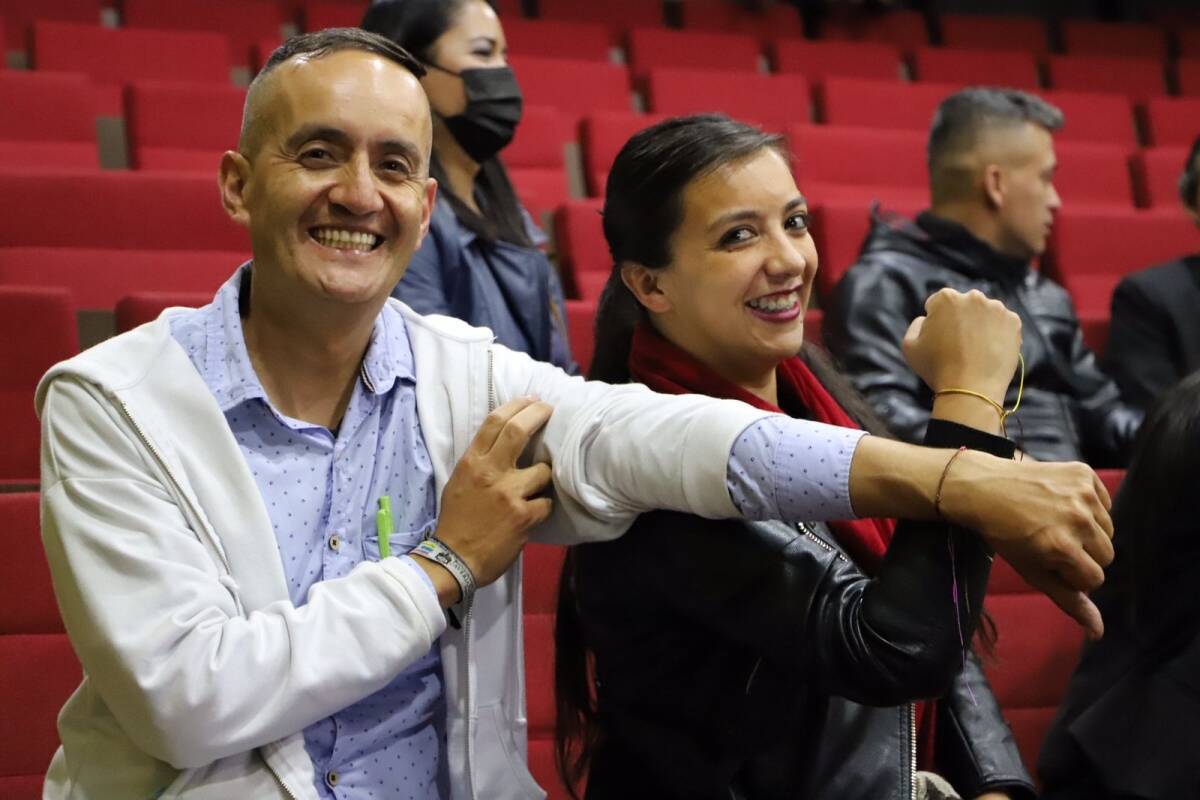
x: 864, y: 326
x: 1108, y: 424
x: 1139, y: 346
x: 975, y: 749
x: 880, y: 641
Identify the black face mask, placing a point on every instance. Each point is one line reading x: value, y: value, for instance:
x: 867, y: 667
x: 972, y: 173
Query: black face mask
x: 493, y: 110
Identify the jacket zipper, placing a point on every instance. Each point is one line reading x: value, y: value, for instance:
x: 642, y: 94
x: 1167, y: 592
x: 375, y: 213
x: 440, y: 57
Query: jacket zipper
x: 811, y: 534
x: 162, y: 462
x: 912, y: 750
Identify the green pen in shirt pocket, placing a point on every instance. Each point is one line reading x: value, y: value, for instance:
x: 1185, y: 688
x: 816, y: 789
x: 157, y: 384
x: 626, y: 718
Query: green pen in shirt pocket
x: 384, y: 526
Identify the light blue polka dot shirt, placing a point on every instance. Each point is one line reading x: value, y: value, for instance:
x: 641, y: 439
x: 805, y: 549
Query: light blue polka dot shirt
x: 321, y: 490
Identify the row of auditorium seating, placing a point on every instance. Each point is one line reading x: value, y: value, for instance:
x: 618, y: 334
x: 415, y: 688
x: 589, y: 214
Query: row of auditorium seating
x: 1035, y: 653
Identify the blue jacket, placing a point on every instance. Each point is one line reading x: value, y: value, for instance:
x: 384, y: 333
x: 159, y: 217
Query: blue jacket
x: 513, y: 290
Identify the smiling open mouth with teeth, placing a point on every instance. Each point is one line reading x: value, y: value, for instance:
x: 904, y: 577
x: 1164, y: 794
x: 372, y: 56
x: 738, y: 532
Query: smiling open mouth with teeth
x: 775, y: 303
x: 342, y: 239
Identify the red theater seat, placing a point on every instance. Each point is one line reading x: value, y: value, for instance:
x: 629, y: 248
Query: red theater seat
x: 37, y: 330
x: 1097, y: 118
x: 535, y: 159
x: 47, y: 120
x: 905, y: 29
x: 38, y: 669
x: 1088, y: 37
x: 142, y: 307
x: 774, y: 101
x: 780, y: 19
x: 182, y: 126
x: 1156, y: 173
x: 123, y: 210
x: 244, y: 21
x: 581, y: 330
x: 1188, y: 40
x: 618, y: 15
x: 819, y: 60
x: 1173, y: 121
x: 881, y: 104
x: 1026, y: 34
x: 113, y: 56
x: 1189, y: 76
x: 582, y: 249
x: 540, y: 190
x: 602, y: 136
x: 557, y: 39
x: 573, y: 86
x: 1094, y: 326
x: 839, y: 229
x: 18, y: 17
x: 977, y: 67
x: 318, y: 16
x: 1087, y: 242
x: 1137, y: 78
x: 650, y: 48
x: 831, y: 154
x: 97, y: 279
x: 1093, y: 175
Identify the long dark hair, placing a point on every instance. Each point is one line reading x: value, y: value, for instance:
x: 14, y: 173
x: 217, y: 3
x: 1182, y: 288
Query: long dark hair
x: 1158, y: 535
x: 416, y: 25
x: 643, y: 207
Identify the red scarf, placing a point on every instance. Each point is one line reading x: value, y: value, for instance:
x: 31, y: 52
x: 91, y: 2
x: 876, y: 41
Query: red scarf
x: 665, y: 367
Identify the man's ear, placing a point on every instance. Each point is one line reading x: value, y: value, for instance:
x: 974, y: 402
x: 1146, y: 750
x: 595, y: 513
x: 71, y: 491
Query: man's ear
x: 431, y: 187
x: 645, y: 285
x: 233, y: 177
x: 994, y: 185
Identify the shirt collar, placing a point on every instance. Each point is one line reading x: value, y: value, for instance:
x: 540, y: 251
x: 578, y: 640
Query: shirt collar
x: 230, y: 375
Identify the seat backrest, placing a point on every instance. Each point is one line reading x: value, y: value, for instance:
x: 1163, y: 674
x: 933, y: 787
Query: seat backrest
x: 243, y: 21
x: 182, y: 126
x: 1188, y: 42
x: 117, y: 55
x: 1026, y: 34
x: 1089, y: 37
x: 18, y: 16
x: 37, y: 330
x: 1188, y: 72
x: 46, y: 106
x: 657, y: 47
x: 142, y: 307
x: 317, y: 16
x: 857, y: 102
x: 842, y: 59
x: 1156, y: 173
x: 38, y: 668
x: 1173, y: 121
x: 774, y: 101
x: 1083, y: 242
x: 602, y: 136
x: 779, y: 19
x: 1093, y: 175
x: 111, y: 209
x: 1136, y: 78
x: 1094, y: 117
x: 976, y: 67
x: 905, y: 29
x: 98, y: 278
x: 857, y: 156
x: 543, y: 133
x: 581, y: 324
x: 839, y: 229
x: 571, y: 85
x: 558, y: 39
x: 580, y: 237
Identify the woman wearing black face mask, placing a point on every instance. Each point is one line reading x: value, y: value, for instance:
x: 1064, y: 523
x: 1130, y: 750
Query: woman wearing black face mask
x: 480, y: 261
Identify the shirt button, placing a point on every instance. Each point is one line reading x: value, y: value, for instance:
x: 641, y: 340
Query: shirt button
x: 331, y: 779
x: 335, y: 542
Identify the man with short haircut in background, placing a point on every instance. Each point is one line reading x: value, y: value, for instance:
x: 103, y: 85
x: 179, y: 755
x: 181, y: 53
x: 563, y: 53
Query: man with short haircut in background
x: 991, y: 172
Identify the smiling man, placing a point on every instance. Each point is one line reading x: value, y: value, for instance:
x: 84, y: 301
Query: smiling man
x: 284, y: 528
x: 991, y: 179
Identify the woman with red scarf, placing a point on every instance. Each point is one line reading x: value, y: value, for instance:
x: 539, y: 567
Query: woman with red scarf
x: 755, y: 660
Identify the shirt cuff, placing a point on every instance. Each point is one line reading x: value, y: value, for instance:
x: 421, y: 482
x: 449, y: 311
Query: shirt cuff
x: 410, y: 563
x: 793, y: 470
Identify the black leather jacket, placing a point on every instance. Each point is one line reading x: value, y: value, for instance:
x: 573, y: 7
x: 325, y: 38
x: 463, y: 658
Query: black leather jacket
x: 1071, y: 411
x: 755, y: 661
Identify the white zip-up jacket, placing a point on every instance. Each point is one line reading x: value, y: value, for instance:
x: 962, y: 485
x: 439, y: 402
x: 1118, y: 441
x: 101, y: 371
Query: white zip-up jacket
x: 199, y: 673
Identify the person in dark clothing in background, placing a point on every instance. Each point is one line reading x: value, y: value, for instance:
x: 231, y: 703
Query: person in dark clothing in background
x: 991, y: 169
x: 1127, y: 728
x: 1154, y: 340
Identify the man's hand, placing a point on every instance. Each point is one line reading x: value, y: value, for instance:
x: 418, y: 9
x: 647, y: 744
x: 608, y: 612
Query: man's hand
x: 1049, y: 520
x: 965, y: 341
x: 489, y: 504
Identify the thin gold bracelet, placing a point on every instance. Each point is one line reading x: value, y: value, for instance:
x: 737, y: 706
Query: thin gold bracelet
x: 1004, y: 413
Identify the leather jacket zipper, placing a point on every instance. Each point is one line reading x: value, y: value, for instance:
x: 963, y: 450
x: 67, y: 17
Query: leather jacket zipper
x: 811, y: 534
x: 912, y: 751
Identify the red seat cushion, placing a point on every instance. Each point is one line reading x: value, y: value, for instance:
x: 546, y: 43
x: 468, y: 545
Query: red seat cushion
x: 1173, y: 121
x: 26, y: 577
x: 558, y: 39
x: 818, y: 60
x: 976, y: 66
x: 774, y: 101
x: 38, y: 672
x: 37, y: 330
x: 573, y: 86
